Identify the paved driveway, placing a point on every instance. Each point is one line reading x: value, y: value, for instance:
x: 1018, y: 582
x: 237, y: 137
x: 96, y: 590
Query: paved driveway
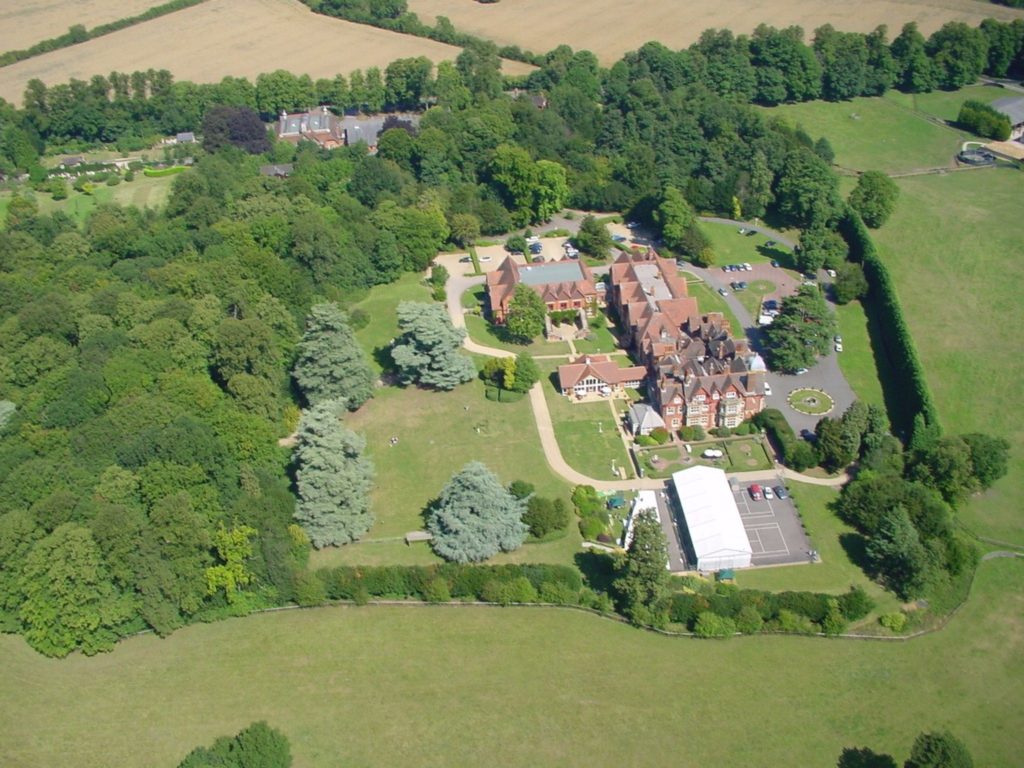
x: 825, y: 374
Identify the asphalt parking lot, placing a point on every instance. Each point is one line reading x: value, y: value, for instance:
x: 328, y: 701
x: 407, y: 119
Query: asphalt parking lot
x: 776, y: 534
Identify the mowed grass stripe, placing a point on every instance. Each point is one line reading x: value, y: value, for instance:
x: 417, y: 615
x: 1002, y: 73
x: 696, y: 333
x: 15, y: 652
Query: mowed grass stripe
x: 441, y: 686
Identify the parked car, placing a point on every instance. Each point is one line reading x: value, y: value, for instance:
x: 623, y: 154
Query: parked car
x: 799, y: 371
x: 483, y: 259
x: 747, y: 267
x: 537, y: 259
x: 723, y: 291
x: 755, y: 492
x: 618, y: 238
x: 768, y: 389
x: 781, y: 492
x: 769, y: 494
x: 837, y: 339
x: 839, y: 347
x: 742, y: 230
x: 725, y: 268
x: 465, y: 260
x: 750, y: 233
x: 632, y: 224
x: 775, y: 263
x: 742, y: 285
x: 771, y: 304
x: 830, y: 272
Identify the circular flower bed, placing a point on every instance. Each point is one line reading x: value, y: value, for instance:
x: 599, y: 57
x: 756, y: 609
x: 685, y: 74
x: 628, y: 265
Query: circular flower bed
x: 813, y: 402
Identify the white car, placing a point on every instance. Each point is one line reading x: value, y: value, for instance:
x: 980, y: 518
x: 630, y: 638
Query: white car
x: 768, y: 493
x: 768, y: 389
x: 839, y: 346
x: 483, y: 259
x: 747, y: 267
x: 830, y: 272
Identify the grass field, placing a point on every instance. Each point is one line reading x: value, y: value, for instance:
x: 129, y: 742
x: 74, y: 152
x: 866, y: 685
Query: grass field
x: 857, y: 360
x: 586, y: 432
x: 945, y: 105
x: 229, y: 37
x: 143, y: 192
x: 954, y: 249
x: 610, y: 28
x: 24, y: 23
x: 871, y: 134
x: 437, y: 686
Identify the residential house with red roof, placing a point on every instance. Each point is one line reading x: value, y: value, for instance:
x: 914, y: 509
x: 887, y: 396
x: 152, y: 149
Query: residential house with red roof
x: 597, y: 374
x: 565, y: 284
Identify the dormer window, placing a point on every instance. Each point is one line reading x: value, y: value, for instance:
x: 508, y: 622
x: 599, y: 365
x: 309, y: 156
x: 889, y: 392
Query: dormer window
x: 715, y: 396
x: 730, y: 394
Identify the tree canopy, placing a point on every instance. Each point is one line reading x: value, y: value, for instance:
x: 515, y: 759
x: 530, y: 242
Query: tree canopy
x: 526, y: 313
x: 332, y: 476
x: 428, y: 351
x: 475, y: 517
x: 802, y: 330
x: 330, y: 364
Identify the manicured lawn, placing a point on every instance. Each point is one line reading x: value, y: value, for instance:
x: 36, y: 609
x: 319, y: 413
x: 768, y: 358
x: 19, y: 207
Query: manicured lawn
x: 603, y: 341
x: 740, y: 455
x: 429, y: 686
x: 733, y: 248
x: 810, y: 401
x: 438, y: 433
x: 380, y: 306
x: 483, y: 332
x: 954, y: 249
x: 836, y: 572
x: 872, y: 134
x: 945, y: 105
x: 586, y: 432
x: 710, y: 301
x: 747, y: 455
x: 857, y: 360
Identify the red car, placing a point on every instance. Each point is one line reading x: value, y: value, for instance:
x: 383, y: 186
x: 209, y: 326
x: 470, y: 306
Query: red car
x: 755, y: 492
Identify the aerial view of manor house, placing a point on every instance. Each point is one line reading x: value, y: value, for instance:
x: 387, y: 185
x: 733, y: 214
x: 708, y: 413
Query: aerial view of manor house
x: 434, y: 382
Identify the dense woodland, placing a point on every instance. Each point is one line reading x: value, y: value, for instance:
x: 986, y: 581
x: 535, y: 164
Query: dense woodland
x: 147, y: 358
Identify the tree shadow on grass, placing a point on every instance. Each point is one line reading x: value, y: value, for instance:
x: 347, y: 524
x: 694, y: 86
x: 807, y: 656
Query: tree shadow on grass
x: 856, y: 547
x: 598, y: 569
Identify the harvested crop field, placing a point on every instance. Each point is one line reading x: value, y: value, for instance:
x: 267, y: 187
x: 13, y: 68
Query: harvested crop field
x: 609, y: 28
x: 230, y: 37
x: 26, y: 23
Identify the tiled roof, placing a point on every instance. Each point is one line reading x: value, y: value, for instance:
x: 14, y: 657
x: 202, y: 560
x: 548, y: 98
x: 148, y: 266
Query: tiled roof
x: 601, y: 367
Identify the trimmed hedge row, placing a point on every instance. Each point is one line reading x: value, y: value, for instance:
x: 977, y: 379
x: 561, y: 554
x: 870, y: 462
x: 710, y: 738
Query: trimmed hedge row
x: 890, y: 333
x: 794, y: 452
x: 453, y: 581
x: 79, y: 34
x: 753, y: 610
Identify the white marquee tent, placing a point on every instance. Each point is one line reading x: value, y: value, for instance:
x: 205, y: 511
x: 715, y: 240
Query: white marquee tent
x: 712, y: 518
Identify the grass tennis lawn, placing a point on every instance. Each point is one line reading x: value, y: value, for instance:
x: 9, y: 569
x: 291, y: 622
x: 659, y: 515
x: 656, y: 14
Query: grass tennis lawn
x: 431, y: 686
x: 954, y: 249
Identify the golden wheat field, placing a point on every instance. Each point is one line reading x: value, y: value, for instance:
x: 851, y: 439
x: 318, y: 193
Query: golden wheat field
x: 229, y: 37
x: 29, y: 21
x: 609, y: 28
